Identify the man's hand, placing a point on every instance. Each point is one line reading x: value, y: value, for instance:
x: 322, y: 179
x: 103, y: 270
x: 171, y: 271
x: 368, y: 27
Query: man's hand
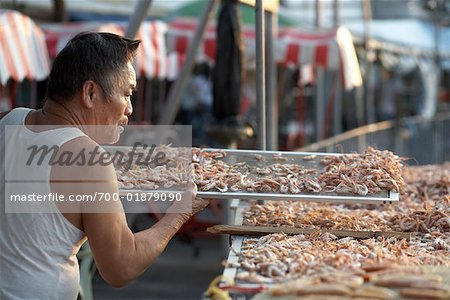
x: 189, y: 204
x: 199, y: 204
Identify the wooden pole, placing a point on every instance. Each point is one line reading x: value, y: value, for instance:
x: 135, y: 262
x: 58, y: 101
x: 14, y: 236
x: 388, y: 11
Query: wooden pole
x: 139, y: 14
x: 172, y: 106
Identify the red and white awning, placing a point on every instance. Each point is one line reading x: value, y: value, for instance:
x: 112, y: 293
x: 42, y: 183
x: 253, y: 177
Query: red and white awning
x: 151, y: 60
x: 332, y: 49
x: 300, y: 48
x: 23, y: 52
x: 181, y: 32
x: 165, y: 46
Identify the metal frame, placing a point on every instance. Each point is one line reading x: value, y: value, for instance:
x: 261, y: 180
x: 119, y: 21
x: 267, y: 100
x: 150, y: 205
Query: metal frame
x: 297, y: 157
x: 230, y: 272
x: 389, y: 198
x: 380, y: 198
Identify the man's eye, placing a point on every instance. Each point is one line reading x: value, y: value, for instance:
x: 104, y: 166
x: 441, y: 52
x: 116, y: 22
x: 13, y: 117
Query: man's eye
x: 129, y: 96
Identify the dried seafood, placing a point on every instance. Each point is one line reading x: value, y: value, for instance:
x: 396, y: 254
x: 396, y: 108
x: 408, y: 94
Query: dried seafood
x: 424, y: 207
x: 137, y: 171
x: 394, y: 283
x: 313, y: 215
x: 363, y: 174
x: 278, y: 257
x: 360, y: 174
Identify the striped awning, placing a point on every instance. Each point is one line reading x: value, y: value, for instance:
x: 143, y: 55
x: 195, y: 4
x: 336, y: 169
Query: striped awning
x: 181, y: 32
x: 151, y: 60
x: 332, y: 50
x: 23, y: 52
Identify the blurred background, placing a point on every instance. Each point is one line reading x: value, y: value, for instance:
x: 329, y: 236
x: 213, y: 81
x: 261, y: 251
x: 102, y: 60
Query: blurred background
x: 340, y: 75
x: 320, y: 88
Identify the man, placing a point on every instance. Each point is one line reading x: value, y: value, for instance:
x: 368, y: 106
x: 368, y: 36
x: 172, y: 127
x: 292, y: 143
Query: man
x: 90, y: 84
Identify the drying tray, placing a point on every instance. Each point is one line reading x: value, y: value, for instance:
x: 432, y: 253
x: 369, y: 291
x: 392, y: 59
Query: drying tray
x: 262, y: 159
x: 230, y: 273
x: 231, y: 270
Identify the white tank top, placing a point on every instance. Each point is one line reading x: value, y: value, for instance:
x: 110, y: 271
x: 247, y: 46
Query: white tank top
x: 37, y: 250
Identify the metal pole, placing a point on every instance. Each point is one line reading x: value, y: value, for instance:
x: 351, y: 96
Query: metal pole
x: 318, y: 14
x: 138, y: 16
x: 320, y: 103
x: 170, y: 110
x: 59, y: 11
x: 337, y: 118
x: 320, y: 85
x: 271, y: 78
x: 260, y: 74
x: 437, y: 33
x: 370, y: 76
x: 370, y: 89
x: 336, y: 15
x: 359, y: 91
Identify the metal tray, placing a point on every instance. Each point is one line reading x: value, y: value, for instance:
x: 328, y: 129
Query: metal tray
x: 269, y: 157
x: 266, y: 158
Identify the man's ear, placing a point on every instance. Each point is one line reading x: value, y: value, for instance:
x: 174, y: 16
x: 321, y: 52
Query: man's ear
x: 89, y: 93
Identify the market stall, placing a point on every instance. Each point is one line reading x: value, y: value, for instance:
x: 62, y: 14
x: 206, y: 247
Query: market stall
x: 23, y: 53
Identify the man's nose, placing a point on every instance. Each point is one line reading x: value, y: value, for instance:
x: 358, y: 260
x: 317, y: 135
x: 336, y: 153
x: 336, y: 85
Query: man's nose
x: 129, y: 109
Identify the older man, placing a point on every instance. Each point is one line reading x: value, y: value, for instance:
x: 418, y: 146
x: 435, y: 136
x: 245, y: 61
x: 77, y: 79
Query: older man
x: 90, y: 84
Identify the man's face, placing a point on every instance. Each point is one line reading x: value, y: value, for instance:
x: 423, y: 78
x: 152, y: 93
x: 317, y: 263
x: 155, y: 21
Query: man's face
x: 115, y: 110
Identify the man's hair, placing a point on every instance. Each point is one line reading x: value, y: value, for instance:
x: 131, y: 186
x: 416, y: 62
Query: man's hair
x: 100, y: 57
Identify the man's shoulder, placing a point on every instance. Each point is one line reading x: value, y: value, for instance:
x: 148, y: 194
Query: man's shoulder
x: 4, y: 113
x: 84, y: 158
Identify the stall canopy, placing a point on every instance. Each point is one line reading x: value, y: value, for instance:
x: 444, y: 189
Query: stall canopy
x: 331, y: 49
x: 23, y: 52
x: 294, y: 47
x: 151, y: 61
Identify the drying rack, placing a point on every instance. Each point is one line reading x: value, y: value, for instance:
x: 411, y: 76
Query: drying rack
x: 263, y: 159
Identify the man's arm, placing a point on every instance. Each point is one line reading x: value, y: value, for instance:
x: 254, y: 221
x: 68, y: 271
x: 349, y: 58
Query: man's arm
x: 120, y: 255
